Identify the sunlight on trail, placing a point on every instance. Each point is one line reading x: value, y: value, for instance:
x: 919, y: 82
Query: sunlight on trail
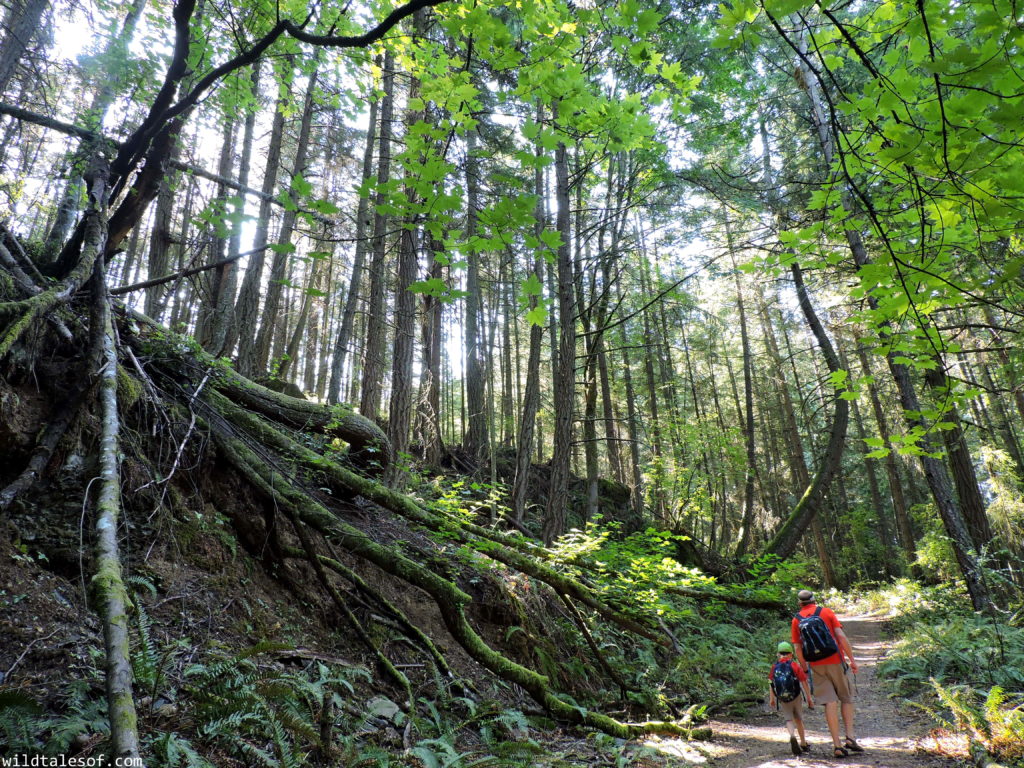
x: 683, y: 750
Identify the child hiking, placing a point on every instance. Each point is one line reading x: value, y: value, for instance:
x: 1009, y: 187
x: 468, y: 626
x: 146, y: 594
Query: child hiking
x: 785, y: 682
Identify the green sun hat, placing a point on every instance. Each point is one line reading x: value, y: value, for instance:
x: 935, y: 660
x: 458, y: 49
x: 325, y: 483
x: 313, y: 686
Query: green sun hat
x: 785, y: 647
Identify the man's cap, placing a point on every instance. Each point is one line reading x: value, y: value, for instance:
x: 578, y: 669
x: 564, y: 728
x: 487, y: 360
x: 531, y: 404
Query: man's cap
x: 785, y: 647
x: 805, y: 596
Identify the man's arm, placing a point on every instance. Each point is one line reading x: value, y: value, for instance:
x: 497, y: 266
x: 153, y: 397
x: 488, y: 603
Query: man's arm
x: 844, y: 645
x: 798, y: 651
x: 798, y: 646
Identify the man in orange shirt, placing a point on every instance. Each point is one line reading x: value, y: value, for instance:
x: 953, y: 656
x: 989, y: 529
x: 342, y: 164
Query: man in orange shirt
x: 819, y: 630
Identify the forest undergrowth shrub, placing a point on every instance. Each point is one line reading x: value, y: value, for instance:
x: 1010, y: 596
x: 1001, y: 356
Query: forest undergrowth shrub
x: 721, y: 654
x: 934, y: 551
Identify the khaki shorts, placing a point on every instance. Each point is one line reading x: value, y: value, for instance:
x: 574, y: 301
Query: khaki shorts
x: 792, y: 710
x: 830, y: 684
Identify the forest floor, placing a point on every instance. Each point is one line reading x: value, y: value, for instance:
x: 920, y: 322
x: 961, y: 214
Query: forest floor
x: 892, y: 736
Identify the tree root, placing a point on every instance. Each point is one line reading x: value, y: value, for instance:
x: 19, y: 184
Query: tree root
x: 413, y: 632
x: 318, y: 567
x: 353, y: 483
x: 368, y: 445
x: 450, y: 600
x: 581, y: 624
x: 37, y: 305
x: 56, y: 426
x: 236, y: 430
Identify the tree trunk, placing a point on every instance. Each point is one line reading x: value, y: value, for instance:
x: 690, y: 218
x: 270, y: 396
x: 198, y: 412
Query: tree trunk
x: 228, y: 273
x: 476, y: 407
x: 247, y: 307
x: 565, y: 370
x: 531, y: 390
x: 899, y: 503
x: 115, y: 54
x: 748, y: 403
x: 373, y: 349
x: 211, y: 328
x: 934, y: 470
x: 785, y: 540
x: 344, y: 339
x: 22, y: 22
x: 428, y: 417
x: 972, y: 506
x: 400, y: 411
x: 270, y: 322
x: 160, y: 241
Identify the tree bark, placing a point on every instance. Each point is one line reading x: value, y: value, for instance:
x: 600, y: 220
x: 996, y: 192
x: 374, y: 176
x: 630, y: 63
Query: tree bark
x: 748, y: 403
x: 531, y: 389
x: 899, y: 503
x: 108, y: 584
x: 270, y: 322
x: 22, y: 22
x: 784, y: 543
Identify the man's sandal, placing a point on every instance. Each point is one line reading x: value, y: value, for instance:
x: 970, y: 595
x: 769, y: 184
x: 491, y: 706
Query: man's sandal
x: 852, y: 745
x: 794, y: 745
x: 805, y: 747
x: 840, y: 752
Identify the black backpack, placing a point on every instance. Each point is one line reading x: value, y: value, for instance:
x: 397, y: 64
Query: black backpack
x: 784, y: 681
x: 815, y: 636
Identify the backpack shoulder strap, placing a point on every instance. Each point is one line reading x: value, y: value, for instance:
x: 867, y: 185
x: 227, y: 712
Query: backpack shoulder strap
x: 817, y: 611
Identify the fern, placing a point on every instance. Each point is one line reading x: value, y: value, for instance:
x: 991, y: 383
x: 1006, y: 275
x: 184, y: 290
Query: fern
x: 261, y: 713
x: 173, y: 751
x: 83, y: 714
x: 20, y: 722
x: 995, y: 722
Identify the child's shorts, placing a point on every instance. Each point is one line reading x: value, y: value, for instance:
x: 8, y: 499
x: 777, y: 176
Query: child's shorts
x: 791, y: 710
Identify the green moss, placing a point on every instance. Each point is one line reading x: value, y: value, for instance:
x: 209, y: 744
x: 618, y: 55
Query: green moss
x: 107, y: 583
x: 129, y: 388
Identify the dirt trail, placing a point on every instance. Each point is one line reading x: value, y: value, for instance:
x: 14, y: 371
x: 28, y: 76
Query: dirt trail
x: 889, y: 735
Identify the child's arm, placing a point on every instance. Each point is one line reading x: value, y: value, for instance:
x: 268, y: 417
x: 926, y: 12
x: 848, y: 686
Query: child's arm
x: 807, y: 694
x: 771, y: 696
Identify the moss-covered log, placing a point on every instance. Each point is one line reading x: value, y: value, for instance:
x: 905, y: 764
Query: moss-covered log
x: 368, y: 445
